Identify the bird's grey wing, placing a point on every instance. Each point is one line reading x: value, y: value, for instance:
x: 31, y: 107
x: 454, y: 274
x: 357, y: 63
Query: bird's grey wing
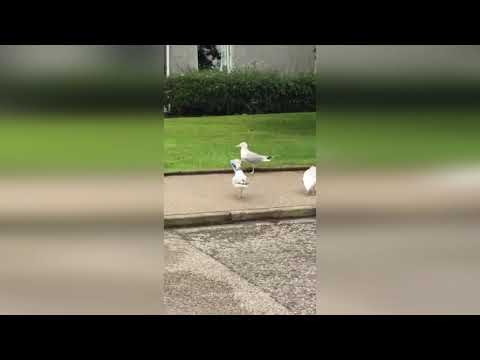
x: 253, y: 157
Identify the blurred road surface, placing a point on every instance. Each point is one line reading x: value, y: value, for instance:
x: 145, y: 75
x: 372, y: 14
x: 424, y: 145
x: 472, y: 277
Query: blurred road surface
x: 248, y: 268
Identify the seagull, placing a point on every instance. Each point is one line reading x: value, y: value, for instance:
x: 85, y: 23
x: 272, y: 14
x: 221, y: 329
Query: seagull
x: 239, y: 180
x: 251, y: 157
x: 310, y: 179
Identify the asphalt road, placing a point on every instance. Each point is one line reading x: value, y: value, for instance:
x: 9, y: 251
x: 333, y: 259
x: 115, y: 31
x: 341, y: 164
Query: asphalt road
x: 423, y: 267
x: 54, y: 270
x: 248, y: 268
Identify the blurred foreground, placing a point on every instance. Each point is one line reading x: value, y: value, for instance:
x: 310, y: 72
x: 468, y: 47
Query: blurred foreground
x: 399, y: 243
x: 398, y: 201
x: 81, y: 224
x: 81, y: 270
x: 423, y: 267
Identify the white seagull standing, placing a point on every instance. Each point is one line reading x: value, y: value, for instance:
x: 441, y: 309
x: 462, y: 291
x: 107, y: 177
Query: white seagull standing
x: 239, y: 180
x: 251, y: 157
x: 310, y: 179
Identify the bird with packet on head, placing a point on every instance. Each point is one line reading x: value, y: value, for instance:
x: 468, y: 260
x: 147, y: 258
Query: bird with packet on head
x: 239, y: 180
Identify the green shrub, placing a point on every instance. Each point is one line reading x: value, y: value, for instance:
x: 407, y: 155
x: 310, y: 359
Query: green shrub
x: 239, y: 92
x: 87, y: 91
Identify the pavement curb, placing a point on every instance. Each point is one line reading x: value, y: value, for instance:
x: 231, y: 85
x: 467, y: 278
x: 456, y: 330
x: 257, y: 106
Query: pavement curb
x: 228, y: 217
x: 324, y: 216
x: 228, y: 171
x: 55, y: 221
x: 399, y: 215
x: 155, y: 218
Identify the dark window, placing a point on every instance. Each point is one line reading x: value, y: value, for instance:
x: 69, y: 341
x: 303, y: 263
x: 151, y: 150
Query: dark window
x: 208, y: 57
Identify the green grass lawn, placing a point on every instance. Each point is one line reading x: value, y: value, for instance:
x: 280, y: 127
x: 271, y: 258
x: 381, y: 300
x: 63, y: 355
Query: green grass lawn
x: 80, y: 143
x: 398, y: 139
x: 145, y: 143
x: 209, y: 142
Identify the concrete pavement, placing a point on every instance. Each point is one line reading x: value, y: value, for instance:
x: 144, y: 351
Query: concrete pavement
x: 250, y: 268
x: 149, y: 197
x: 268, y: 267
x: 412, y: 191
x: 215, y: 193
x: 81, y: 270
x: 142, y: 197
x: 365, y: 197
x: 422, y: 268
x: 94, y: 198
x: 210, y: 199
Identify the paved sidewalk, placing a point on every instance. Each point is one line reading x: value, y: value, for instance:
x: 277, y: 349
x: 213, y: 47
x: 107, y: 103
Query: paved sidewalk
x: 26, y: 199
x: 214, y: 192
x: 148, y: 197
x: 414, y: 193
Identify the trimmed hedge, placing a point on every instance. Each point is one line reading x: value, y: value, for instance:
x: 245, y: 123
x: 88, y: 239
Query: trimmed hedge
x: 239, y: 92
x: 194, y: 93
x: 83, y: 91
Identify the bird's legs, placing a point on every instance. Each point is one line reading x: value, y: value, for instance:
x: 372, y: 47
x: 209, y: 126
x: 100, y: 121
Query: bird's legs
x: 241, y: 193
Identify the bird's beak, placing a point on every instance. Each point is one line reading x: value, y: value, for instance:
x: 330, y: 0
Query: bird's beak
x: 238, y: 145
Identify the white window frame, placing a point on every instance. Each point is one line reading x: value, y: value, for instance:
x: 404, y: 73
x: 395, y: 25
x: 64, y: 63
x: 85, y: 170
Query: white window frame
x: 167, y: 59
x: 227, y: 58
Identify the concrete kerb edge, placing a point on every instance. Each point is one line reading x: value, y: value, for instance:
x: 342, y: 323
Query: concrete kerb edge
x: 343, y: 217
x: 228, y: 171
x: 325, y: 216
x: 60, y: 220
x: 227, y: 217
x: 155, y: 218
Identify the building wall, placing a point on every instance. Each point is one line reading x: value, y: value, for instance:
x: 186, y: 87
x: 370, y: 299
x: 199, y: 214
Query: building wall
x: 400, y: 60
x: 50, y: 56
x: 284, y: 58
x: 183, y: 58
x: 82, y: 57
